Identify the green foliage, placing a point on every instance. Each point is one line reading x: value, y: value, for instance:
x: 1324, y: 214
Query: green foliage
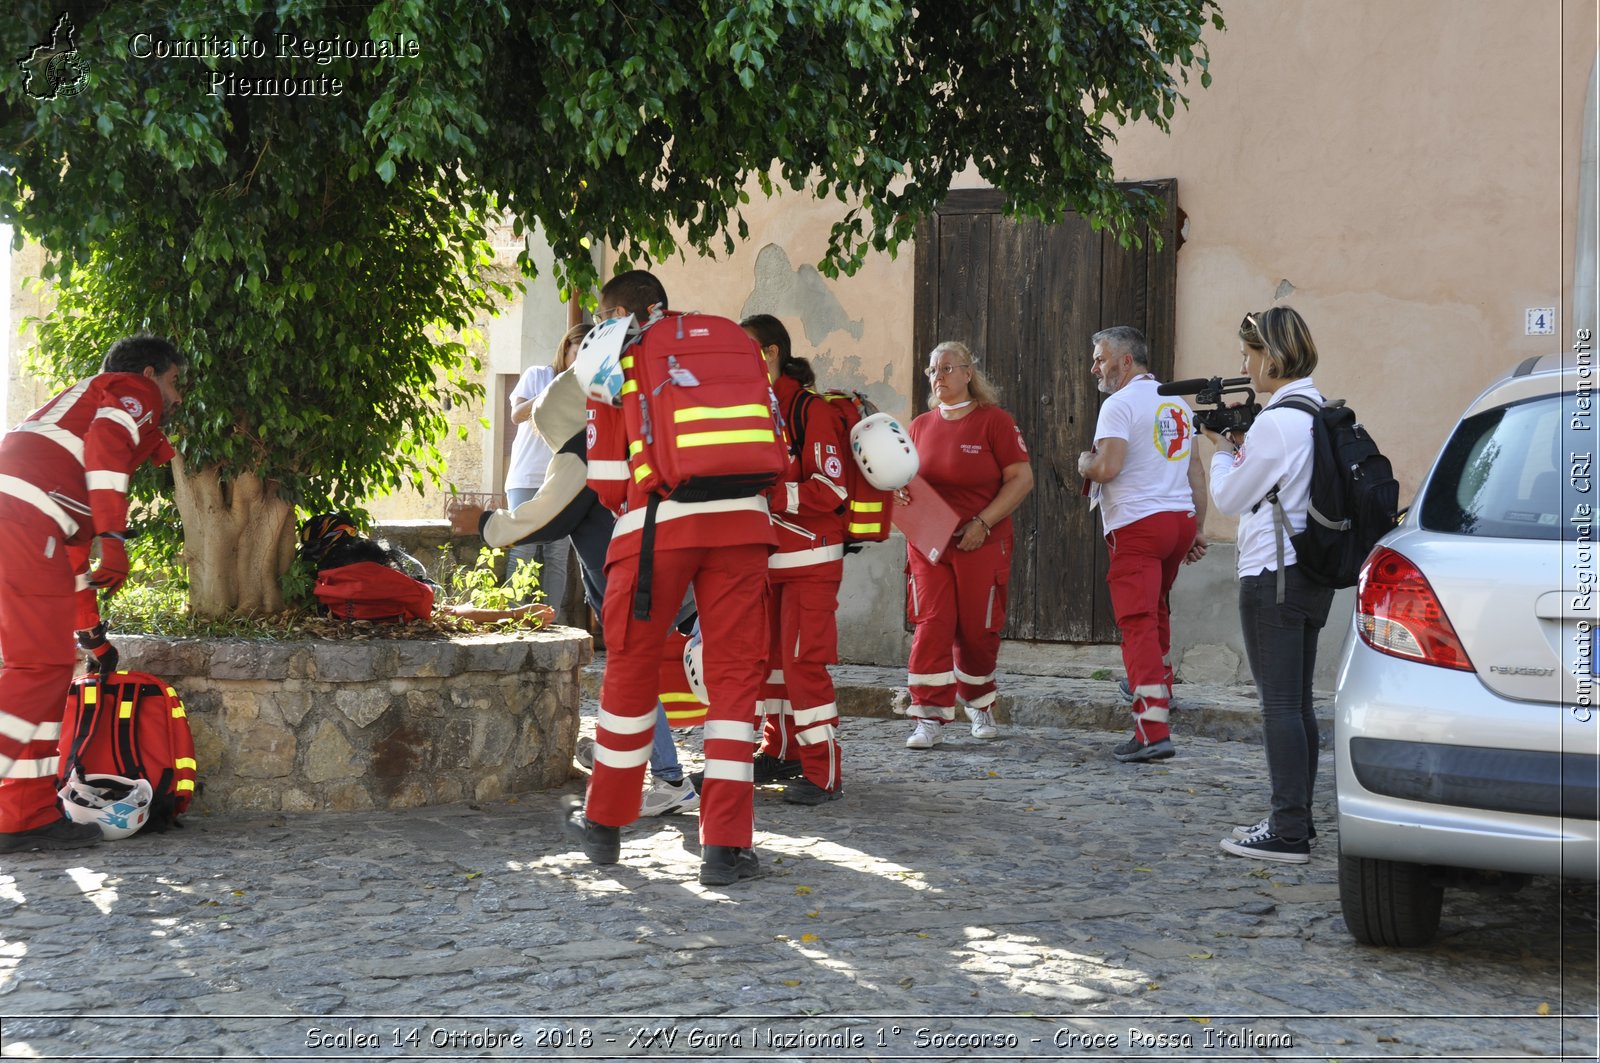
x: 327, y: 312
x: 152, y: 599
x: 482, y: 587
x: 634, y: 121
x: 322, y: 257
x: 298, y: 583
x: 640, y: 123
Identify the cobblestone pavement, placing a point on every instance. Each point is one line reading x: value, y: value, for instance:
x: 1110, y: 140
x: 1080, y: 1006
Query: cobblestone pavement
x: 1025, y: 898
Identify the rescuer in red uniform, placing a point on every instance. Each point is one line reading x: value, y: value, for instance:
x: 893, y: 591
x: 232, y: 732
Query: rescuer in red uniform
x: 721, y: 547
x: 64, y: 475
x: 800, y: 733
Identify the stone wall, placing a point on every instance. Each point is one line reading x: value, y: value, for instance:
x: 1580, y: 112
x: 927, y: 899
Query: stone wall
x: 382, y: 723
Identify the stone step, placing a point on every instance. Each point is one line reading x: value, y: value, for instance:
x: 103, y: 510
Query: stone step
x: 1227, y: 713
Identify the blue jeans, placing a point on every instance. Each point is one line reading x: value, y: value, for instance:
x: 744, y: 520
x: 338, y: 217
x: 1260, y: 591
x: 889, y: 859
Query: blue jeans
x: 590, y: 541
x: 551, y: 556
x: 1280, y: 641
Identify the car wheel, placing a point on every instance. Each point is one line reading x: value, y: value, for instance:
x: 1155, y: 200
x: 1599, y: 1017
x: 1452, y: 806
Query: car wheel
x: 1386, y: 902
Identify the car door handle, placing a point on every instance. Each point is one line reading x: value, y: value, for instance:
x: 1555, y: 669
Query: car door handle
x: 1564, y: 605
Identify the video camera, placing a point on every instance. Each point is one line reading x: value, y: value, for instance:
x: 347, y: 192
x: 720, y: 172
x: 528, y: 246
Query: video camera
x: 1221, y: 419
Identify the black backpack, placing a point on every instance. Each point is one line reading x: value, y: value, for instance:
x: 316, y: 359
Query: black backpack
x: 1355, y: 499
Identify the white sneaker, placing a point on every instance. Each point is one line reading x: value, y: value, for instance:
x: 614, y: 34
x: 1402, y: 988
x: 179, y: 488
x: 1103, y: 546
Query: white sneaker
x: 927, y: 735
x: 662, y: 798
x: 982, y: 723
x: 584, y: 754
x: 1254, y: 831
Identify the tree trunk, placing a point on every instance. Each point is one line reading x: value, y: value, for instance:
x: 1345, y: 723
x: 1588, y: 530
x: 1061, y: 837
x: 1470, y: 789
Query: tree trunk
x: 238, y: 538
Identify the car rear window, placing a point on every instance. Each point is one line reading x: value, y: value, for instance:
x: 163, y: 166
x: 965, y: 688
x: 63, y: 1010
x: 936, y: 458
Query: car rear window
x: 1505, y: 473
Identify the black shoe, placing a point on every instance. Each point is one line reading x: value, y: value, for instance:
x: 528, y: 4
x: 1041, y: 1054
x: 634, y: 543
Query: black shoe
x: 62, y: 834
x: 723, y: 865
x: 803, y: 791
x: 769, y: 768
x: 601, y: 844
x: 1257, y: 830
x: 1135, y: 750
x: 1270, y: 847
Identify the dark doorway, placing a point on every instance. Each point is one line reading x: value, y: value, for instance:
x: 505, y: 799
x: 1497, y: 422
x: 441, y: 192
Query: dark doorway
x: 1026, y: 297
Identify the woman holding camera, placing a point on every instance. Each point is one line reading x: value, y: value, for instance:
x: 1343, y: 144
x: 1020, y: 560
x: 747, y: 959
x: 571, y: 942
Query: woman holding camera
x: 1281, y: 609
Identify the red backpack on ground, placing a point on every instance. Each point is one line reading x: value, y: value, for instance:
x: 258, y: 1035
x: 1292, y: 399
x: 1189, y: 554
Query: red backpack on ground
x: 867, y: 512
x: 700, y: 413
x: 133, y: 725
x: 367, y: 590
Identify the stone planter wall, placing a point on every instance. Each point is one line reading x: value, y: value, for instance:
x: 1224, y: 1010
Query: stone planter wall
x: 380, y: 723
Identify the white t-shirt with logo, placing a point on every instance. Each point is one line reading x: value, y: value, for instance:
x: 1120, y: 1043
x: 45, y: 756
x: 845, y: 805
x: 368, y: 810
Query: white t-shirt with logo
x: 1159, y: 430
x: 529, y: 455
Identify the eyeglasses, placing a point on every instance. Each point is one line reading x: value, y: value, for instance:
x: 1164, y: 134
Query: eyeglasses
x: 605, y: 314
x: 946, y: 370
x: 1249, y: 324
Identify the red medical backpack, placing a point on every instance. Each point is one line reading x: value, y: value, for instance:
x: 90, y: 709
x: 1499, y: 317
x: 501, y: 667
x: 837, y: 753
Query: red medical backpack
x: 367, y: 590
x: 701, y: 417
x: 133, y: 725
x: 866, y: 507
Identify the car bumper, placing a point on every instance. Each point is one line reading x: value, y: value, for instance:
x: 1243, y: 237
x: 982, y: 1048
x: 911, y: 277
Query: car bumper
x: 1434, y: 768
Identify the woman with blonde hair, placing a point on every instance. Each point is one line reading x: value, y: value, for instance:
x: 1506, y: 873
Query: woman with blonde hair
x: 973, y: 455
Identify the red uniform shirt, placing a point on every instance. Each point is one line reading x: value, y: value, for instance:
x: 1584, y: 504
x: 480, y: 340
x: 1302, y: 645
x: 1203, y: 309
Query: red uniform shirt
x: 71, y: 459
x: 963, y: 459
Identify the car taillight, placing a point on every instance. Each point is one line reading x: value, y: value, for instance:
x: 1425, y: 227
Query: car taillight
x: 1397, y: 613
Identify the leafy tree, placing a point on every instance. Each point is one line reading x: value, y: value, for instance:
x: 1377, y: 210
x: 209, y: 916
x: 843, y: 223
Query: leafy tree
x: 319, y: 254
x: 322, y: 306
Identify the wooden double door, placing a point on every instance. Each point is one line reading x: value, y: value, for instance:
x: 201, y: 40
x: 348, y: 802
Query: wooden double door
x: 1027, y: 297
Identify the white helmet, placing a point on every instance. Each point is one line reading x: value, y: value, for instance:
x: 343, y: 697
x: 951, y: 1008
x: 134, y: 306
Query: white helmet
x: 884, y: 452
x: 694, y: 666
x: 598, y: 365
x: 118, y: 806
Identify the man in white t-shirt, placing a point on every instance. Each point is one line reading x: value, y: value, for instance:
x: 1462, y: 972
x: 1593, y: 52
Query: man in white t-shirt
x: 1152, y: 500
x: 530, y: 456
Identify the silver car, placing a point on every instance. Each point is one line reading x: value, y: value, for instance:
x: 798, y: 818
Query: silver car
x: 1467, y: 742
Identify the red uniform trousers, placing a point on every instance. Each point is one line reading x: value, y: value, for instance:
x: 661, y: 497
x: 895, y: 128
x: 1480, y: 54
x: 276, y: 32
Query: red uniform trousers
x: 1145, y: 558
x: 802, y: 717
x: 959, y: 608
x: 38, y: 610
x: 730, y: 588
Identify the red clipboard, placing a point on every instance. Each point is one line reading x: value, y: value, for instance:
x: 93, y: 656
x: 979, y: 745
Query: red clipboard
x: 927, y: 522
